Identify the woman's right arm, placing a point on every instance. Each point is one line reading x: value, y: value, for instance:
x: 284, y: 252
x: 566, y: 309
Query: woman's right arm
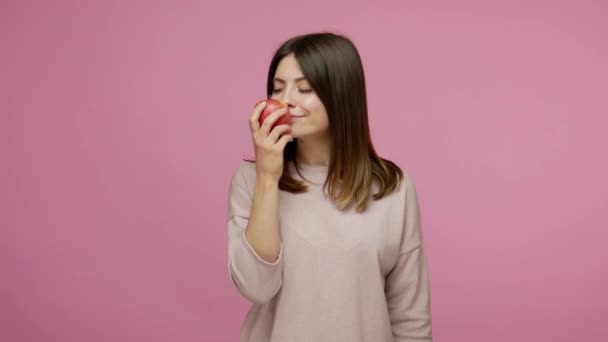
x: 263, y: 227
x: 255, y: 249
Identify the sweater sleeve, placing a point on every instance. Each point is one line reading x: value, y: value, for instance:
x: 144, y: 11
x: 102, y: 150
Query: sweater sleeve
x: 256, y: 279
x: 407, y: 284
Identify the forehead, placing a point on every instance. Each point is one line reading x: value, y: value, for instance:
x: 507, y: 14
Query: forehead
x: 288, y: 69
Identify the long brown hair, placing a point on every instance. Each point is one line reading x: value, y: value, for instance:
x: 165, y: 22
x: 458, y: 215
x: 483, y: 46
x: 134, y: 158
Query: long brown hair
x: 333, y: 68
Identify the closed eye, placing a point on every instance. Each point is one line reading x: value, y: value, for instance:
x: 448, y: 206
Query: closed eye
x: 305, y: 91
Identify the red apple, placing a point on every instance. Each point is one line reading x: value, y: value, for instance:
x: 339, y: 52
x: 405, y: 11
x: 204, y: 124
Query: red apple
x: 271, y: 106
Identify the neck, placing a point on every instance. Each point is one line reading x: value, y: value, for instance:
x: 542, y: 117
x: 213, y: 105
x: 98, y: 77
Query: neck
x: 313, y: 151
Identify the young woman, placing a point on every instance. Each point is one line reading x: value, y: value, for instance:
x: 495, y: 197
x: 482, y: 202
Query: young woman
x: 324, y: 235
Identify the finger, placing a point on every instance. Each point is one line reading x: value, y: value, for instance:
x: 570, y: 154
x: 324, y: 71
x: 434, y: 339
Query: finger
x: 255, y: 116
x: 277, y: 131
x: 286, y: 138
x: 271, y: 119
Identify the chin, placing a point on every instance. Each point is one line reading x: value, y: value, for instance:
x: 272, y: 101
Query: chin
x: 297, y: 135
x: 306, y: 135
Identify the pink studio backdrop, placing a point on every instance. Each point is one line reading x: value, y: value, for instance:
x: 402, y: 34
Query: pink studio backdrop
x: 122, y: 122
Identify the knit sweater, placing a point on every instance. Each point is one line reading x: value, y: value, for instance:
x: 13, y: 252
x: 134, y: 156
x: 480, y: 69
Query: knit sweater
x: 341, y: 276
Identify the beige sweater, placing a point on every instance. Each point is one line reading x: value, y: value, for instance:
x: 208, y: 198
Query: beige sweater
x: 340, y: 276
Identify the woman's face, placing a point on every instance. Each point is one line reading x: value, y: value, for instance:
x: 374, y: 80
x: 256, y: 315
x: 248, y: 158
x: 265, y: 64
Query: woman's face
x: 308, y: 115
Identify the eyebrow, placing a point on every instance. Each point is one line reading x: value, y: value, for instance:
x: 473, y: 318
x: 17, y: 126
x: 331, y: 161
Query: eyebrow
x: 296, y: 80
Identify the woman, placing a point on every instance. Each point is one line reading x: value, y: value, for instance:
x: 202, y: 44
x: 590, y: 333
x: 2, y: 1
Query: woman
x: 324, y: 235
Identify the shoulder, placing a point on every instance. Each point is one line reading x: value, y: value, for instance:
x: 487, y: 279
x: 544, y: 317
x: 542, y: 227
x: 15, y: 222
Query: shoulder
x: 243, y: 175
x: 245, y: 169
x: 407, y: 186
x: 402, y: 190
x: 406, y: 180
x: 407, y: 191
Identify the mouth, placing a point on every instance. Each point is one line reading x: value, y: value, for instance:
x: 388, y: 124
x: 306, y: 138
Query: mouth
x: 296, y: 117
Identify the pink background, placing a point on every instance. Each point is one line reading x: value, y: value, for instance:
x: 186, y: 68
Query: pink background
x: 121, y: 123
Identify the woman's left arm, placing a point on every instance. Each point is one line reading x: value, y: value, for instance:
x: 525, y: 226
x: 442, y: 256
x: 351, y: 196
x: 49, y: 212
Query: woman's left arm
x: 407, y: 285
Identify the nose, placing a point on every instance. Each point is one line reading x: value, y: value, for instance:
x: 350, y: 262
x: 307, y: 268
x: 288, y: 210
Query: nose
x: 287, y: 99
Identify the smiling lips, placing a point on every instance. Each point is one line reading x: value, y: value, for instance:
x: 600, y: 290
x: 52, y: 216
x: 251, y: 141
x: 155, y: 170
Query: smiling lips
x: 296, y: 115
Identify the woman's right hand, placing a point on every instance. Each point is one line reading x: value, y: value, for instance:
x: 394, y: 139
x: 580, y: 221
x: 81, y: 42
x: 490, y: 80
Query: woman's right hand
x: 269, y: 143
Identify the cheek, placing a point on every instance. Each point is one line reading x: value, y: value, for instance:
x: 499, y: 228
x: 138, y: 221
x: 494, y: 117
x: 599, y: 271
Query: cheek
x: 314, y: 105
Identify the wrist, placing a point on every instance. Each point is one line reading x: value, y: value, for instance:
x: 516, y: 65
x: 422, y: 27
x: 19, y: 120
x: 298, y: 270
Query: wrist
x: 266, y: 181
